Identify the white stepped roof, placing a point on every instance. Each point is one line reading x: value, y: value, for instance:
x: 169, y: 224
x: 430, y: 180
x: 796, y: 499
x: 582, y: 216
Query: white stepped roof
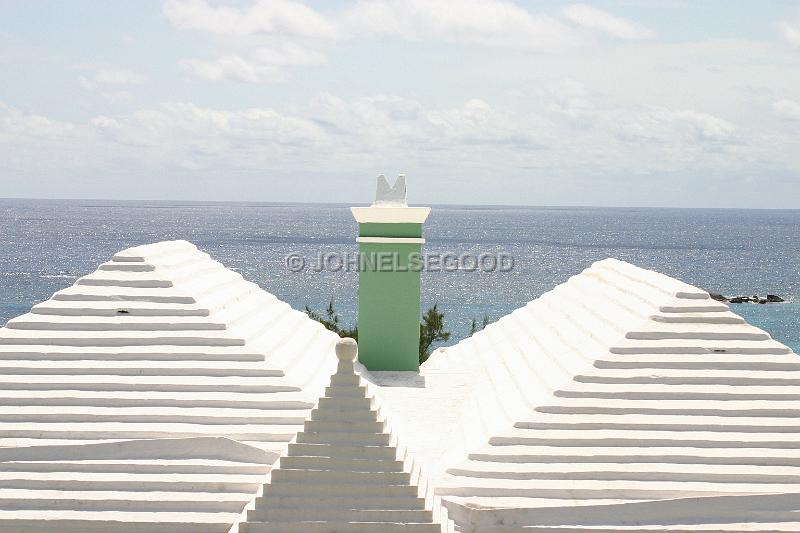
x: 161, y: 342
x: 159, y: 486
x: 346, y: 471
x: 616, y: 399
x: 611, y: 403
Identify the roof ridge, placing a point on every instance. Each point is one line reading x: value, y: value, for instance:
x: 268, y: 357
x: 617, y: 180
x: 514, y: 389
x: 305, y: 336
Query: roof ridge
x: 346, y: 469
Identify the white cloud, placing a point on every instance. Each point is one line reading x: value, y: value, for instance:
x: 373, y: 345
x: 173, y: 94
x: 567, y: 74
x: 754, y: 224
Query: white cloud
x: 109, y: 76
x: 30, y: 141
x: 791, y: 32
x: 599, y: 20
x: 386, y: 125
x: 15, y: 122
x: 117, y: 96
x: 289, y: 34
x: 231, y: 68
x: 263, y: 18
x: 118, y: 76
x: 707, y: 127
x: 657, y: 126
x: 198, y: 137
x: 258, y: 43
x: 483, y: 22
x: 110, y: 94
x: 264, y: 65
x: 110, y: 83
x: 788, y: 109
x: 294, y: 34
x: 570, y: 98
x: 486, y: 22
x: 362, y: 132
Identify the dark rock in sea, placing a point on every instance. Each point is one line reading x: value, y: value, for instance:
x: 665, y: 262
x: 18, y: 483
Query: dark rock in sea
x: 717, y: 297
x: 756, y: 299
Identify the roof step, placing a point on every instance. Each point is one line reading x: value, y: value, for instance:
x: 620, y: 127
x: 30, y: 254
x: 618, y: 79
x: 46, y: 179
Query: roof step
x: 98, y: 382
x: 634, y: 439
x: 180, y: 354
x: 78, y: 293
x: 142, y: 466
x: 113, y: 308
x: 117, y: 339
x: 67, y: 481
x: 680, y: 376
x: 163, y: 430
x: 188, y: 399
x: 760, y: 345
x: 122, y: 501
x: 709, y: 407
x: 124, y: 367
x: 39, y: 521
x: 698, y: 318
x: 117, y: 266
x: 331, y: 526
x: 672, y: 455
x: 584, y: 489
x: 118, y: 322
x: 751, y: 527
x: 630, y: 471
x: 658, y: 391
x: 315, y: 514
x: 149, y: 415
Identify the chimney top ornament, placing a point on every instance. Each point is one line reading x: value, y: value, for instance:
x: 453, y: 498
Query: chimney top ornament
x: 391, y: 196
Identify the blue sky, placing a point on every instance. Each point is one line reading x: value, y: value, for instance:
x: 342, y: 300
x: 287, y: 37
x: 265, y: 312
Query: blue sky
x: 643, y: 103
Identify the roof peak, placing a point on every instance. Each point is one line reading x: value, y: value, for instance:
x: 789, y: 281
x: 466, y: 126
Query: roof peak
x: 347, y: 469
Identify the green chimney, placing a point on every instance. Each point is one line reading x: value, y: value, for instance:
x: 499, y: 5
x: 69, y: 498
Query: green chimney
x: 390, y: 244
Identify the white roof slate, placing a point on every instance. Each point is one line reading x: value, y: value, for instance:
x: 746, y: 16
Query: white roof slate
x: 347, y: 471
x: 611, y: 403
x: 164, y: 343
x: 614, y: 401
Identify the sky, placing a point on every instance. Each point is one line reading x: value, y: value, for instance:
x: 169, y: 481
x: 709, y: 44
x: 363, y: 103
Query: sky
x: 608, y: 103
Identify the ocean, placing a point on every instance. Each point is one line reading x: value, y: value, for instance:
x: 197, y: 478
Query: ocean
x: 45, y: 245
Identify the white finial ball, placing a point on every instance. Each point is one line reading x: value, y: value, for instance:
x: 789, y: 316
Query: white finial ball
x: 347, y: 349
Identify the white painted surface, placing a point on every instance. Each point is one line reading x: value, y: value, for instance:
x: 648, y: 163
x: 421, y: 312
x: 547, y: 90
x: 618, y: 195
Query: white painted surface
x: 611, y: 403
x: 196, y: 352
x: 346, y: 471
x: 622, y: 400
x: 173, y: 485
x: 390, y: 195
x: 397, y: 240
x: 415, y: 215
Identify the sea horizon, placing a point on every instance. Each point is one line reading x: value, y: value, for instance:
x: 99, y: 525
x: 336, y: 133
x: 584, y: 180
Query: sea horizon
x: 288, y: 203
x: 49, y: 243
